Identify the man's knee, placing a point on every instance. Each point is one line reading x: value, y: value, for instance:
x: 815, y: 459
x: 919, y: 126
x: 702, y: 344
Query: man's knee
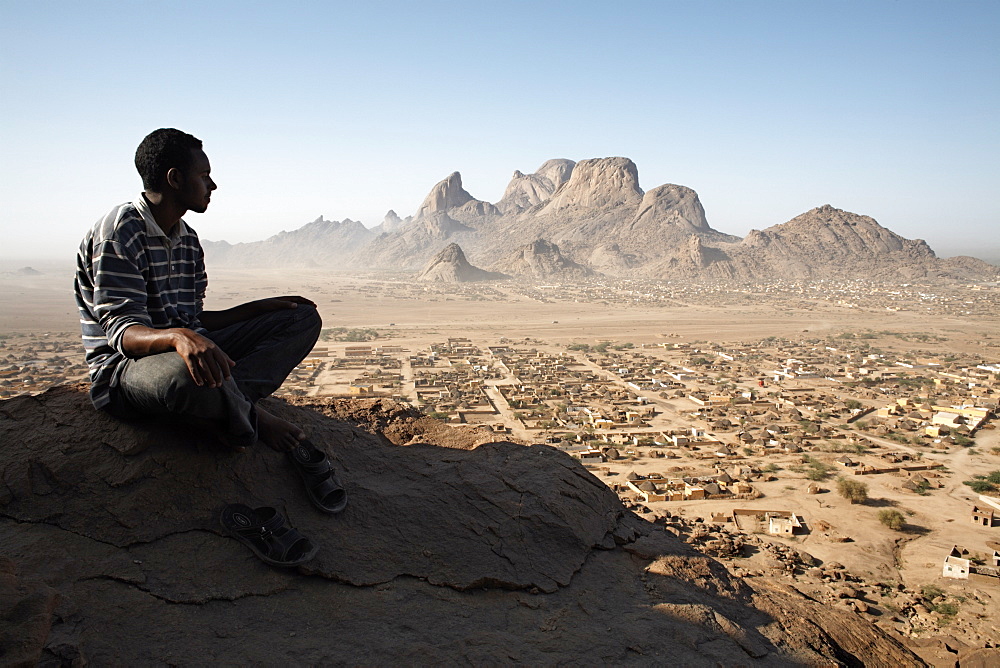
x: 311, y: 316
x: 156, y: 383
x: 311, y: 319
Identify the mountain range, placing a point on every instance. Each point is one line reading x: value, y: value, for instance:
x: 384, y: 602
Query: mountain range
x: 573, y: 220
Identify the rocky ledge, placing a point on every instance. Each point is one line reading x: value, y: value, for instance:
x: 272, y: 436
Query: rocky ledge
x: 454, y: 549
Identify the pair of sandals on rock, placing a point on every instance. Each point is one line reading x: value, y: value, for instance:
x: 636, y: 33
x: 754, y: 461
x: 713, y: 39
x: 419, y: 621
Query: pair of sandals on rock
x: 263, y: 529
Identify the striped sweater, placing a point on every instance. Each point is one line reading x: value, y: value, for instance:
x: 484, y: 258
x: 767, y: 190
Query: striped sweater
x: 128, y: 272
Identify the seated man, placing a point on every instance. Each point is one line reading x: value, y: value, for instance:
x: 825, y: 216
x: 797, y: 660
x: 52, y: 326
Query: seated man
x: 140, y: 286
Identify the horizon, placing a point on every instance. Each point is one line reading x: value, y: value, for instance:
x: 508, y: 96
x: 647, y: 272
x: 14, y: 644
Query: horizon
x: 766, y: 111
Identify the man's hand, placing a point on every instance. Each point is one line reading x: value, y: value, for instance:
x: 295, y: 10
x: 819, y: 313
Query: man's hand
x: 278, y: 303
x: 206, y: 362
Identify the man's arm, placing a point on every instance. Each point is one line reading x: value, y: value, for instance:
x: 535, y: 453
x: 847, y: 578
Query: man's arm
x: 206, y: 362
x: 213, y: 320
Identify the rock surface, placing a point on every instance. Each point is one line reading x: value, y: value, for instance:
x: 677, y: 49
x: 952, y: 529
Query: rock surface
x: 449, y: 194
x: 486, y: 552
x: 542, y: 260
x: 450, y: 266
x: 527, y: 190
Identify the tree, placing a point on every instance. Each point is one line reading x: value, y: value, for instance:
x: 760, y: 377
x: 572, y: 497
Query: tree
x: 892, y: 519
x: 854, y: 491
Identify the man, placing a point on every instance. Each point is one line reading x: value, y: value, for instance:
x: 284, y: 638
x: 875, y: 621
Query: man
x: 151, y: 348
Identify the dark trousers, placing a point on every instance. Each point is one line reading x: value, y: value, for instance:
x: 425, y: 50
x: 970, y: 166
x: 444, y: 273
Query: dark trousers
x: 265, y: 349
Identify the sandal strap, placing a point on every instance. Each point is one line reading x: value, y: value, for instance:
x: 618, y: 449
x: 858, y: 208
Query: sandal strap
x: 318, y: 468
x: 310, y: 458
x: 285, y: 541
x: 323, y: 488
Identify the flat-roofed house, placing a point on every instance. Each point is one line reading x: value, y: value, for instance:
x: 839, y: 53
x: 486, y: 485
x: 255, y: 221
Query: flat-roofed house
x: 982, y: 516
x: 955, y: 566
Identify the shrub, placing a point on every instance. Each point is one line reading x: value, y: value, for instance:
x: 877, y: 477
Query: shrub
x: 930, y: 592
x: 892, y: 519
x: 947, y: 609
x: 817, y: 470
x: 854, y: 491
x: 980, y: 486
x: 349, y: 335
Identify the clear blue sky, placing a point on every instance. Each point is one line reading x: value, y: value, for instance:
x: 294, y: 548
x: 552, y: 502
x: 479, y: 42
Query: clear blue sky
x: 348, y: 109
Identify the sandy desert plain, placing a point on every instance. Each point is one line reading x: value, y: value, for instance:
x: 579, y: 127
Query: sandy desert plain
x: 934, y: 329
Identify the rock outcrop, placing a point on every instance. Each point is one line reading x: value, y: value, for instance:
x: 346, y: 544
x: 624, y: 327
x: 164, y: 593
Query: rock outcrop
x: 597, y: 184
x: 453, y: 549
x: 542, y: 260
x: 528, y: 190
x: 449, y: 194
x: 450, y: 266
x: 391, y: 223
x: 831, y: 243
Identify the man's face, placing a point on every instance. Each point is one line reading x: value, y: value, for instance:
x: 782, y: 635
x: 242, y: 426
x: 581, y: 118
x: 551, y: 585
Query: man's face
x: 196, y: 183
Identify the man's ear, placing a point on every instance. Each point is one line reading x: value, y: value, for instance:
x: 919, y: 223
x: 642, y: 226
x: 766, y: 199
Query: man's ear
x: 175, y: 178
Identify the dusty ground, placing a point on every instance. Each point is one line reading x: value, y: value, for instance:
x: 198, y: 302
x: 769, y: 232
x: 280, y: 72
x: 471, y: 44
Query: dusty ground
x: 44, y: 303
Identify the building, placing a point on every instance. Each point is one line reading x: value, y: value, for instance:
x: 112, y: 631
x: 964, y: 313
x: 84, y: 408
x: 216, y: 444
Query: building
x: 781, y: 526
x: 982, y: 516
x: 955, y: 566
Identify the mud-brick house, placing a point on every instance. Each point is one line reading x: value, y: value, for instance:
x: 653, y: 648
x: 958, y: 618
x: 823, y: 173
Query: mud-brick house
x: 982, y: 516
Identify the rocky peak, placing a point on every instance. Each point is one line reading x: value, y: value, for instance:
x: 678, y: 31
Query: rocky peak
x: 452, y: 254
x: 599, y: 183
x: 445, y: 195
x: 826, y: 229
x: 674, y: 206
x: 541, y: 259
x: 557, y: 171
x: 451, y: 266
x: 525, y: 191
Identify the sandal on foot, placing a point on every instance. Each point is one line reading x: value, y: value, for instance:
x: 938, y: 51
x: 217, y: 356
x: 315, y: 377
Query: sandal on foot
x: 316, y: 471
x: 264, y: 531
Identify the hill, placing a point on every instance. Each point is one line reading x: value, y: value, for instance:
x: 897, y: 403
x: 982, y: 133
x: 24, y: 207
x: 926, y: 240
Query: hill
x: 450, y: 266
x: 321, y: 243
x: 453, y: 549
x: 541, y: 259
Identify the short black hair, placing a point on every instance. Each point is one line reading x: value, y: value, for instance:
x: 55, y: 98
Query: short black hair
x: 161, y: 150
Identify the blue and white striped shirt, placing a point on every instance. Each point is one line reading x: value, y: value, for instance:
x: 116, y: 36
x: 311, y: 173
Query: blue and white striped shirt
x: 128, y: 272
